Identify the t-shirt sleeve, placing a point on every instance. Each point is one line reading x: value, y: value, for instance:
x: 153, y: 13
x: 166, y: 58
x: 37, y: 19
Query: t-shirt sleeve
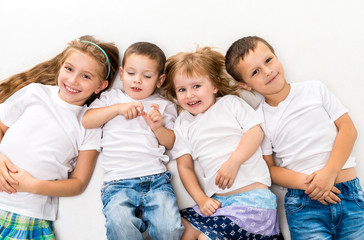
x: 181, y: 146
x: 92, y: 140
x: 266, y: 146
x: 244, y: 113
x: 330, y: 102
x: 15, y: 105
x: 100, y: 102
x: 169, y: 115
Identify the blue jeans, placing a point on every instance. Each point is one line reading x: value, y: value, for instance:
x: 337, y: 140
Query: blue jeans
x: 309, y: 219
x: 132, y: 206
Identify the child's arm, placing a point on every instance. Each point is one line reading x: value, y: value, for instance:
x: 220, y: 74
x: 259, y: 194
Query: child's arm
x: 295, y: 180
x: 321, y: 182
x: 96, y: 117
x: 154, y: 119
x: 186, y: 170
x: 248, y: 145
x: 6, y: 167
x: 60, y: 188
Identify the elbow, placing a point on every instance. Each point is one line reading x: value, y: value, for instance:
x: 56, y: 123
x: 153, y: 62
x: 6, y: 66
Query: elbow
x: 79, y: 188
x: 84, y: 123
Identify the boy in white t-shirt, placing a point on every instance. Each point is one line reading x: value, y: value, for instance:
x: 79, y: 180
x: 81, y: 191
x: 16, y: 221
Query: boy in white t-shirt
x: 137, y: 129
x: 311, y: 133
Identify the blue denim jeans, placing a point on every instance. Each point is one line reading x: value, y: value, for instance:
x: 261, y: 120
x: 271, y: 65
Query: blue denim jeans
x: 132, y: 206
x: 309, y: 219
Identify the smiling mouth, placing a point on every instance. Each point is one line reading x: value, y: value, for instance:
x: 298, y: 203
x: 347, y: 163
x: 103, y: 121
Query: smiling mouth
x: 136, y: 89
x: 274, y: 78
x: 72, y: 90
x: 193, y: 103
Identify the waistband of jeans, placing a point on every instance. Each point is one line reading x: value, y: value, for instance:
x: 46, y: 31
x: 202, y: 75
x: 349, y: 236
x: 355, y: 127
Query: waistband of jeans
x: 344, y: 187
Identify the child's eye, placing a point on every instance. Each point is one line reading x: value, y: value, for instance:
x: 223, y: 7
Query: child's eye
x: 254, y: 72
x: 268, y: 60
x: 130, y: 73
x: 68, y: 68
x: 147, y: 76
x: 181, y: 90
x: 86, y: 76
x: 196, y: 86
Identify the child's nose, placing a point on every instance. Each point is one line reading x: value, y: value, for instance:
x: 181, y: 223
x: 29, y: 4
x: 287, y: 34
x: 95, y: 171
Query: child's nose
x: 267, y: 71
x: 73, y: 78
x: 138, y: 79
x: 190, y: 94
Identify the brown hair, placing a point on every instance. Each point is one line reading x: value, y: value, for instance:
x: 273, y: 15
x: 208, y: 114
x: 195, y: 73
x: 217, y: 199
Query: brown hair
x: 238, y: 50
x: 204, y: 61
x: 47, y: 72
x: 147, y: 49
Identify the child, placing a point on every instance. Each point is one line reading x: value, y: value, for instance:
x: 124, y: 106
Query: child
x: 309, y: 130
x: 135, y: 178
x: 222, y: 132
x: 45, y: 123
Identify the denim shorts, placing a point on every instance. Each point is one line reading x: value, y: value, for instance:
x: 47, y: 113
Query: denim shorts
x: 309, y: 219
x: 133, y: 206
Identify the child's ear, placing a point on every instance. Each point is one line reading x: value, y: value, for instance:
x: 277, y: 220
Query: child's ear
x: 161, y: 80
x: 245, y: 86
x: 103, y: 85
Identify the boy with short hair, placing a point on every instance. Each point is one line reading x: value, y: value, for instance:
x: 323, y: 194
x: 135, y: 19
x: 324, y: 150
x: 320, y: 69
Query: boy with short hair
x: 136, y: 181
x: 310, y: 131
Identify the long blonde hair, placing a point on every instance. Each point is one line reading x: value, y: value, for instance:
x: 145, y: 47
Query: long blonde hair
x: 203, y: 62
x: 47, y: 72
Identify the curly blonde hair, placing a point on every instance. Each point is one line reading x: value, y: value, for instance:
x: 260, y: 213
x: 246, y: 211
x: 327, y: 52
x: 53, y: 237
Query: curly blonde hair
x: 203, y: 62
x: 47, y: 72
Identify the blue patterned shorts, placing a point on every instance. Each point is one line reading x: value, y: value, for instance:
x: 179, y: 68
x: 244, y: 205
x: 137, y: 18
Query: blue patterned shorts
x: 15, y: 226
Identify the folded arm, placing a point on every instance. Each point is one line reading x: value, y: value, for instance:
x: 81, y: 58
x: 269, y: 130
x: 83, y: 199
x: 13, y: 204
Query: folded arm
x: 60, y: 188
x: 248, y: 145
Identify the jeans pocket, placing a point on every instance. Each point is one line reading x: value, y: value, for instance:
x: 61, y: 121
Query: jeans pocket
x: 168, y: 176
x: 294, y: 204
x: 359, y: 198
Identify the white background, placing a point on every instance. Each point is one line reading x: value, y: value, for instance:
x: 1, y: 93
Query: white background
x: 320, y: 40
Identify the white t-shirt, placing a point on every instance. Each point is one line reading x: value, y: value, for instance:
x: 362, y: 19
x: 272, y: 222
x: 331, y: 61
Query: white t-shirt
x: 130, y: 148
x: 44, y: 137
x: 301, y: 131
x: 211, y: 137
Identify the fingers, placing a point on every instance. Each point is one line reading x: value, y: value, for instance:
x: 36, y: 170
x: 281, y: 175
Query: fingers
x: 210, y: 207
x: 335, y: 190
x: 155, y: 106
x: 309, y: 178
x: 10, y: 166
x: 132, y: 113
x: 223, y: 182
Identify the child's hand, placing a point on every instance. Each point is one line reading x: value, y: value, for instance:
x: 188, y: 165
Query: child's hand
x: 332, y: 197
x: 6, y: 181
x: 24, y: 179
x: 131, y: 110
x: 154, y: 118
x: 320, y: 186
x: 226, y: 175
x: 208, y: 206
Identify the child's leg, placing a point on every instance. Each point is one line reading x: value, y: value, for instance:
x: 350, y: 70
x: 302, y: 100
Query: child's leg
x: 350, y: 211
x: 307, y: 219
x: 120, y: 201
x: 190, y: 232
x: 160, y: 210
